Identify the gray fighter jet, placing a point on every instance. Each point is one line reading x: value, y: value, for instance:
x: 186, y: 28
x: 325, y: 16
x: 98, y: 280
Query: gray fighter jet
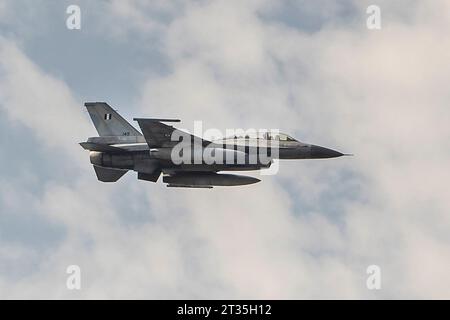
x: 184, y: 160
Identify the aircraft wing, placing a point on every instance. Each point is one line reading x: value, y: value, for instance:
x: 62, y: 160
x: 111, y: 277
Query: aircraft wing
x: 157, y: 134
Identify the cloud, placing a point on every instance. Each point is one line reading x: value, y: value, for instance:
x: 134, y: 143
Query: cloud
x: 57, y: 119
x: 309, y: 232
x: 376, y: 92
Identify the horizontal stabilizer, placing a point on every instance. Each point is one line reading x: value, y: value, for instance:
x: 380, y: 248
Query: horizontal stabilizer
x: 108, y: 174
x: 99, y: 147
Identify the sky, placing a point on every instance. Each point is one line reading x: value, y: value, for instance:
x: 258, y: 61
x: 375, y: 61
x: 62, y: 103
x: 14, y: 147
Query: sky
x: 310, y: 68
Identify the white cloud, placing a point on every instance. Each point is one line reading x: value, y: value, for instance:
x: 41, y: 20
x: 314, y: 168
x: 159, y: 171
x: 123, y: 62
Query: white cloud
x: 376, y: 94
x: 39, y: 101
x: 312, y: 231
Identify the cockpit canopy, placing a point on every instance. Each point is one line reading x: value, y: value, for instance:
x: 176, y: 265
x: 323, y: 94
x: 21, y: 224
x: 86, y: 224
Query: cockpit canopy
x: 278, y: 136
x: 264, y: 136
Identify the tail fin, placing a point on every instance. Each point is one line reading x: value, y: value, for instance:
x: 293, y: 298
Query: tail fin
x: 108, y: 122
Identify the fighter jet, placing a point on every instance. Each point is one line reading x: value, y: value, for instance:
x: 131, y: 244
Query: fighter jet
x: 183, y: 159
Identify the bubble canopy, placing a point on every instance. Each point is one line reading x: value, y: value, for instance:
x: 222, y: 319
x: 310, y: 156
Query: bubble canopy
x: 278, y: 136
x: 262, y: 135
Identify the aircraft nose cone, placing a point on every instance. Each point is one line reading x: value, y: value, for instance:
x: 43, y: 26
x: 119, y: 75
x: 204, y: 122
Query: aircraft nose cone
x: 318, y: 152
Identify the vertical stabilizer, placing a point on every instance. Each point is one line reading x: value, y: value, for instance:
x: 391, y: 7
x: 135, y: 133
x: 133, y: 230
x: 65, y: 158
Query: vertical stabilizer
x: 108, y: 122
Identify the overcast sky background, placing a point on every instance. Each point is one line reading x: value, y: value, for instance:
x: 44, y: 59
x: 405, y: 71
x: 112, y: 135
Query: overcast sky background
x: 310, y: 68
